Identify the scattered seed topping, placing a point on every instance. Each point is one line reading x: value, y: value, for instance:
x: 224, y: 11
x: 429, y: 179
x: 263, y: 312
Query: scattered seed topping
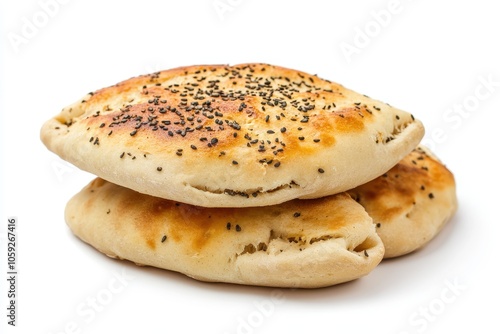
x: 163, y: 238
x: 159, y: 169
x: 199, y: 110
x: 296, y: 214
x: 238, y: 228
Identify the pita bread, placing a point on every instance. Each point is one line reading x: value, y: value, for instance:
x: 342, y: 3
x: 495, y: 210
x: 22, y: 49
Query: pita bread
x: 301, y: 243
x: 410, y: 203
x: 232, y: 136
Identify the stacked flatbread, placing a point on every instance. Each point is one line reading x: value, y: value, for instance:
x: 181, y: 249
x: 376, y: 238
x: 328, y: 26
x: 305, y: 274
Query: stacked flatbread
x: 251, y: 174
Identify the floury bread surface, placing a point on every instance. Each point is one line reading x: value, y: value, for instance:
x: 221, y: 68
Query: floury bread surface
x: 232, y: 136
x: 411, y: 203
x: 301, y: 243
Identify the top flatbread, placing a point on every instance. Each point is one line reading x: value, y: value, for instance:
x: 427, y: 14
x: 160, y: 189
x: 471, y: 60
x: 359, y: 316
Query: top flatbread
x: 232, y: 136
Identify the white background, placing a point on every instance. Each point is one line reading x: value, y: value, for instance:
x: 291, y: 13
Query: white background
x: 432, y: 58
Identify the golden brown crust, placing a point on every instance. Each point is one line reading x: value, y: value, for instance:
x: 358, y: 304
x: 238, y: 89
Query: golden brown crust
x: 410, y: 203
x: 302, y: 243
x: 243, y: 135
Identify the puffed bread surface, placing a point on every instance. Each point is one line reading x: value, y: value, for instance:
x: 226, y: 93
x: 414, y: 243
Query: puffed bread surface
x: 232, y: 136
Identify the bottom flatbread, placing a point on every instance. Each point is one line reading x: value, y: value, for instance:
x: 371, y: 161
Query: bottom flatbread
x: 411, y: 203
x: 299, y: 244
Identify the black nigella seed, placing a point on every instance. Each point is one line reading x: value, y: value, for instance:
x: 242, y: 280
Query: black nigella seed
x: 193, y: 147
x: 164, y: 238
x: 214, y: 141
x: 283, y: 129
x: 133, y: 133
x: 159, y: 169
x: 431, y: 195
x: 296, y: 214
x: 235, y: 162
x: 321, y: 170
x: 277, y: 164
x: 228, y: 226
x: 238, y: 228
